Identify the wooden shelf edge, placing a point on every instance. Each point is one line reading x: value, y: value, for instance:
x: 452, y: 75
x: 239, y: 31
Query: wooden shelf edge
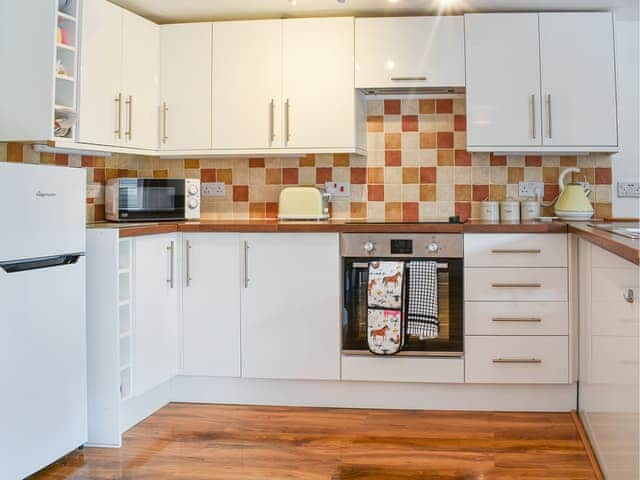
x: 595, y: 466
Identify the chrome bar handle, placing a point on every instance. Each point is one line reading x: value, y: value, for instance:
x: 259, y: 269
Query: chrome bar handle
x: 516, y: 285
x: 537, y: 250
x: 272, y: 121
x: 287, y: 108
x: 129, y: 103
x: 245, y: 256
x: 549, y: 114
x: 517, y: 360
x: 171, y: 249
x: 516, y: 319
x: 629, y: 296
x: 165, y: 109
x: 118, y: 130
x: 533, y: 115
x: 408, y: 79
x: 188, y: 262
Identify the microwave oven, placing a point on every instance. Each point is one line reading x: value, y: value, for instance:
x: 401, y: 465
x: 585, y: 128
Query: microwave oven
x: 152, y: 199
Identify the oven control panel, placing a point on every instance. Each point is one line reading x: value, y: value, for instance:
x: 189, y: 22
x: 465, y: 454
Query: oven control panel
x: 421, y: 245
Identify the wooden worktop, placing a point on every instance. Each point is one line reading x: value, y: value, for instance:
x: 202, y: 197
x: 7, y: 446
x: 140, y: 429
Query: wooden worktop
x: 627, y: 248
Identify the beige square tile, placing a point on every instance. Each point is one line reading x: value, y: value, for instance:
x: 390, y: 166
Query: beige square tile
x: 241, y: 210
x: 602, y: 160
x: 392, y: 124
x: 584, y: 161
x: 3, y: 152
x: 273, y: 162
x: 241, y: 176
x: 393, y: 175
x: 375, y: 210
x: 410, y: 158
x: 358, y: 161
x: 532, y: 174
x: 272, y: 193
x: 480, y: 175
x: 462, y: 175
x: 427, y: 210
x: 324, y: 160
x: 476, y: 210
x: 512, y: 190
x: 375, y: 141
x: 75, y: 161
x: 444, y: 122
x: 375, y: 107
x: 515, y: 160
x: 290, y: 162
x: 258, y: 193
x: 459, y: 107
x: 340, y: 208
x: 410, y: 141
x: 460, y: 140
x: 427, y: 123
x: 341, y: 174
x: 603, y: 193
x: 358, y: 193
x: 445, y: 193
x: 550, y: 161
x: 499, y: 175
x: 444, y: 175
x: 191, y: 173
x: 392, y: 193
x: 307, y: 175
x: 444, y: 209
x: 409, y: 106
x: 428, y: 158
x: 410, y: 193
x: 375, y: 158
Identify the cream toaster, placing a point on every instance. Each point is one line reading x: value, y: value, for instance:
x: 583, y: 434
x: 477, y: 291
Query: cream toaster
x: 303, y: 203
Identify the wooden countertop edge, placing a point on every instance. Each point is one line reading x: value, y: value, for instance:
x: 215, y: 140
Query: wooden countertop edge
x: 613, y: 243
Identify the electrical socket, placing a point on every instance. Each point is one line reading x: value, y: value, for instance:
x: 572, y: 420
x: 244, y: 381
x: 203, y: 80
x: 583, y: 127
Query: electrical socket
x: 628, y: 189
x: 213, y: 189
x: 530, y: 189
x: 338, y: 189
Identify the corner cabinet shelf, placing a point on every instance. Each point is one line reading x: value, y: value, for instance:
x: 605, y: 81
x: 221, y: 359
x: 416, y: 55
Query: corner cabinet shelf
x: 110, y: 334
x: 44, y: 88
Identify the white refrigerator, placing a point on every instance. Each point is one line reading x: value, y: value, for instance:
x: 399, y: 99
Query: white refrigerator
x: 43, y: 389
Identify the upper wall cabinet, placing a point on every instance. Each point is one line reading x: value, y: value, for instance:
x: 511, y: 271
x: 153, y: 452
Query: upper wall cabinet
x: 540, y: 82
x: 409, y: 52
x: 185, y: 80
x: 119, y: 78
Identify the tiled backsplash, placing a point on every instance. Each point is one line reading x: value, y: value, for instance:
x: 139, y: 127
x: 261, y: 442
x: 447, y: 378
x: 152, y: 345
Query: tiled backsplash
x: 417, y: 167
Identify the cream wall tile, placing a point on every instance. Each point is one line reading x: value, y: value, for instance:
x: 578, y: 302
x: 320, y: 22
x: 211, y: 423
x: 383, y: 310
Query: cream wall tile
x: 375, y: 210
x: 393, y: 175
x: 358, y: 193
x: 392, y: 124
x: 427, y: 123
x: 340, y: 208
x: 585, y: 161
x: 443, y: 122
x: 410, y: 193
x: 240, y: 209
x: 444, y: 176
x: 375, y: 107
x: 427, y: 158
x: 444, y: 209
x: 409, y: 106
x: 445, y: 193
x: 341, y: 174
x: 290, y: 162
x: 258, y: 193
x: 499, y: 175
x: 375, y: 159
x: 192, y: 173
x: 462, y: 175
x: 272, y: 162
x: 241, y: 175
x: 358, y: 161
x: 325, y: 159
x: 512, y: 191
x: 459, y: 107
x: 272, y: 193
x: 480, y: 159
x: 427, y: 210
x: 307, y: 175
x: 3, y: 152
x: 410, y: 141
x: 256, y: 176
x: 550, y: 161
x: 515, y: 160
x: 532, y: 174
x: 480, y: 175
x: 410, y: 158
x: 602, y: 160
x: 603, y: 193
x: 392, y: 193
x: 460, y: 140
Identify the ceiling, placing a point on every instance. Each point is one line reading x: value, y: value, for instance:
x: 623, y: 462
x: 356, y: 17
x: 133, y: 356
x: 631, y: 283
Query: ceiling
x: 172, y: 11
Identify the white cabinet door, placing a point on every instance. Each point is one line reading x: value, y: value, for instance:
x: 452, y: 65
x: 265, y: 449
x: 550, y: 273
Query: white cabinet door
x: 141, y: 85
x: 211, y: 305
x: 185, y: 80
x: 503, y: 80
x: 291, y: 306
x: 155, y: 333
x: 319, y: 93
x: 247, y: 84
x: 100, y: 73
x: 578, y: 79
x: 409, y: 52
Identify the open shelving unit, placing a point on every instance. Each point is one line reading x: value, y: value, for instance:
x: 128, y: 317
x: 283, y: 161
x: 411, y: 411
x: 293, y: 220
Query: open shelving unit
x: 66, y: 63
x: 124, y: 318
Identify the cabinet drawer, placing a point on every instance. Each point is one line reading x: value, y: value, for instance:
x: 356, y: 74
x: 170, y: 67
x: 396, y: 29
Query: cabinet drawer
x: 510, y: 284
x: 517, y: 359
x: 515, y: 250
x: 402, y: 369
x: 516, y: 318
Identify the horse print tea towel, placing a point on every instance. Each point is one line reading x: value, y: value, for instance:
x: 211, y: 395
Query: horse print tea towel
x: 385, y: 315
x: 385, y: 284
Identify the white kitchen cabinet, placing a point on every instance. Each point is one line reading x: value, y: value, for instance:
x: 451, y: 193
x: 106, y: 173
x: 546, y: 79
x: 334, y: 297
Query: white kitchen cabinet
x: 155, y: 302
x: 578, y: 79
x: 397, y: 52
x: 211, y: 304
x: 291, y: 306
x: 247, y: 84
x: 609, y: 391
x: 185, y: 81
x: 540, y: 82
x: 119, y: 87
x: 322, y: 109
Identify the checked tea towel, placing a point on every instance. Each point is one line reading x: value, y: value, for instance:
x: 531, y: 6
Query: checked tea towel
x: 422, y: 308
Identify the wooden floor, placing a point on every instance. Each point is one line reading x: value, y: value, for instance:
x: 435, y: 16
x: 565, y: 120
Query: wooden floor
x: 186, y: 441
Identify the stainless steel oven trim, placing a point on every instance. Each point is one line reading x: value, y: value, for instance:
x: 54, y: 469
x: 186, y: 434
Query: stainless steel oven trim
x: 450, y: 245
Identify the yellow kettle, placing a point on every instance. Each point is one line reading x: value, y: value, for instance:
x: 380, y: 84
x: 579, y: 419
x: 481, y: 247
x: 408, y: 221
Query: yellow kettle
x: 573, y: 202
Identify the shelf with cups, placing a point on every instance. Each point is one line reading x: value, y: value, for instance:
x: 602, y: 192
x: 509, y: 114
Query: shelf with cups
x: 65, y: 69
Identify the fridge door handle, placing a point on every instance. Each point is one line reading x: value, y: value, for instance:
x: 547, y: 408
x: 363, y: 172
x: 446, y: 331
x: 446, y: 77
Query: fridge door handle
x: 40, y: 263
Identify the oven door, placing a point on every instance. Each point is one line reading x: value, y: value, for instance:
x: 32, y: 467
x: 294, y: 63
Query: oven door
x: 151, y: 199
x: 354, y: 316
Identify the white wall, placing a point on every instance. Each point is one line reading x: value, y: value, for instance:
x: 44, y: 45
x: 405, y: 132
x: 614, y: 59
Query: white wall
x: 626, y: 163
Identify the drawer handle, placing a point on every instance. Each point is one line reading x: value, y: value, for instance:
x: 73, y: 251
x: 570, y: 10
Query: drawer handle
x: 516, y: 319
x: 516, y: 285
x: 517, y: 360
x: 407, y: 79
x: 534, y: 251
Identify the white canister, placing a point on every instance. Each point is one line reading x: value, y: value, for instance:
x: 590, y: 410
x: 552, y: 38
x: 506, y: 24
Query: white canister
x: 509, y: 211
x: 489, y: 211
x: 529, y: 210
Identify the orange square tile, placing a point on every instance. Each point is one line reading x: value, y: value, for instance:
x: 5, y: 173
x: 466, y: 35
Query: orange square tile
x: 271, y: 210
x: 358, y: 210
x: 87, y: 161
x: 323, y: 175
x: 340, y: 159
x: 132, y: 173
x: 91, y: 201
x: 497, y: 193
x: 603, y: 210
x: 462, y: 158
x: 550, y: 174
x: 99, y: 175
x: 428, y: 193
x: 273, y: 176
x: 410, y: 211
x: 158, y: 174
x: 445, y: 139
x: 603, y: 176
x: 515, y: 174
x: 480, y: 193
x: 551, y: 191
x: 463, y: 210
x: 98, y: 162
x: 392, y: 141
x: 14, y: 152
x: 375, y: 175
x: 359, y: 175
x: 463, y: 193
x: 308, y: 161
x: 392, y: 158
x: 426, y: 106
x: 208, y: 175
x: 409, y: 123
x: 98, y: 214
x: 568, y: 161
x: 255, y: 163
x: 445, y: 158
x: 375, y: 193
x: 392, y: 107
x: 62, y: 159
x: 410, y: 175
x: 444, y: 105
x: 497, y: 160
x: 191, y: 163
x: 290, y: 176
x: 123, y: 172
x: 533, y: 161
x: 110, y: 173
x: 257, y: 210
x: 460, y: 123
x: 45, y: 159
x: 375, y: 123
x: 427, y: 140
x: 428, y: 175
x: 393, y: 211
x: 240, y: 193
x: 225, y: 175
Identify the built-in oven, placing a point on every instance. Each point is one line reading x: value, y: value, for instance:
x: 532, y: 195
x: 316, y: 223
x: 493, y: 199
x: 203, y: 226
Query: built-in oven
x: 358, y: 249
x: 152, y: 199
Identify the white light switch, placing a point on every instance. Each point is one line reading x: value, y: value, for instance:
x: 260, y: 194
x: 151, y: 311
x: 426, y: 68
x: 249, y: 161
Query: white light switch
x: 213, y: 189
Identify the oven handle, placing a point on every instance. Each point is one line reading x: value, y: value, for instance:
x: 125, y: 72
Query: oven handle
x: 439, y: 266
